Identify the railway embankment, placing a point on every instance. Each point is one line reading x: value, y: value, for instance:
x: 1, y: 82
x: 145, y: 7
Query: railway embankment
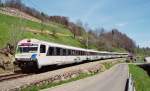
x: 56, y: 77
x: 6, y: 63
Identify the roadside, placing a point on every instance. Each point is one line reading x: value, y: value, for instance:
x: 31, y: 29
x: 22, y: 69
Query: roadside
x: 141, y: 78
x: 85, y: 70
x: 110, y: 80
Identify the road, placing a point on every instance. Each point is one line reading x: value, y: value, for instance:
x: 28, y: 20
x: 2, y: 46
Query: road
x: 113, y: 79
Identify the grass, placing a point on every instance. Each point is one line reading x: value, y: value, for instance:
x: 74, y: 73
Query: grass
x: 140, y: 59
x: 141, y: 78
x: 108, y: 65
x: 33, y: 25
x: 12, y: 28
x: 118, y: 50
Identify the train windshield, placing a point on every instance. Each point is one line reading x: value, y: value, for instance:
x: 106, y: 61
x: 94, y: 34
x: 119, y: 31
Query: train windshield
x: 27, y: 49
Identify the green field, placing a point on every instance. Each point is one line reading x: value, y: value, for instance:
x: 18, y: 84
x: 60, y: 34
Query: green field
x: 13, y: 28
x: 141, y: 78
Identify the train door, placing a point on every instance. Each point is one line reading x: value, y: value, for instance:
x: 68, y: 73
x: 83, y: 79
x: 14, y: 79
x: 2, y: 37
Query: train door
x: 42, y: 55
x: 42, y: 50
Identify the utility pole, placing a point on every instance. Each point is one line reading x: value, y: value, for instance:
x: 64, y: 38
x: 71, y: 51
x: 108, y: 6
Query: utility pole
x: 43, y: 22
x: 87, y: 38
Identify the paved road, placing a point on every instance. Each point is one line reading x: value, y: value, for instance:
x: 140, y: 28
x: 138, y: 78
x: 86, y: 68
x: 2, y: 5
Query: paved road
x: 111, y: 80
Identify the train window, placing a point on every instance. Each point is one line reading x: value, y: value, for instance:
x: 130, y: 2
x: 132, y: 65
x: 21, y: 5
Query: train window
x: 77, y: 52
x: 91, y: 53
x: 97, y: 54
x: 94, y: 53
x: 86, y: 53
x: 73, y: 52
x: 80, y: 53
x: 69, y: 52
x: 51, y: 51
x: 64, y: 51
x: 83, y: 53
x: 61, y: 51
x: 42, y: 48
x: 58, y: 51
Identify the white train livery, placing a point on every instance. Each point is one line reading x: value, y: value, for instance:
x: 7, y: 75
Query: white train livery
x: 41, y: 53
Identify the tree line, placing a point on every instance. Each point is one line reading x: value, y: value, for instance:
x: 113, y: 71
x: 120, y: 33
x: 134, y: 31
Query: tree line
x: 111, y: 40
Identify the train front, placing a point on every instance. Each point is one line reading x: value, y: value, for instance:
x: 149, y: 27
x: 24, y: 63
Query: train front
x: 26, y: 53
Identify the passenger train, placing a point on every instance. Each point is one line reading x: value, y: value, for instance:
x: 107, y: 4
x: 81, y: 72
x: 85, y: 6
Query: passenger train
x: 40, y: 53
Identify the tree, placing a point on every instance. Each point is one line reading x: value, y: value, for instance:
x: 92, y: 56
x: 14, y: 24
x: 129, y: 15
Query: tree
x: 59, y: 19
x: 0, y: 3
x: 42, y: 27
x: 16, y: 32
x: 53, y: 33
x: 79, y: 23
x: 14, y: 3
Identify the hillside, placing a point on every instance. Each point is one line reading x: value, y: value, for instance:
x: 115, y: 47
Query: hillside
x: 17, y: 25
x: 17, y: 13
x: 18, y: 21
x: 13, y: 28
x: 18, y: 18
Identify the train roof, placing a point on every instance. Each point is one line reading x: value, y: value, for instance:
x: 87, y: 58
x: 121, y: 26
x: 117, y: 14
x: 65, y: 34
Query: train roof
x: 50, y: 44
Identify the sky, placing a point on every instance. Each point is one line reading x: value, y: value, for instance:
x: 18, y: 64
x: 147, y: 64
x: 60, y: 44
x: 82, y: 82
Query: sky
x: 131, y: 17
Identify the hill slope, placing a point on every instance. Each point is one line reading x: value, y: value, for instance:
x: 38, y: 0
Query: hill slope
x: 13, y: 29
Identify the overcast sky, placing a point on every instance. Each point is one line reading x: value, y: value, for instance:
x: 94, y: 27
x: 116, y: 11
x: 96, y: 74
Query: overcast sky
x: 129, y: 16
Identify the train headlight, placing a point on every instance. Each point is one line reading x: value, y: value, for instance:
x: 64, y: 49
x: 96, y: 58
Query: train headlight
x: 33, y: 57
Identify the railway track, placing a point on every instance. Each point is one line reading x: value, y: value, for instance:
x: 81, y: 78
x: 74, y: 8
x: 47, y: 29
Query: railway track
x: 12, y: 76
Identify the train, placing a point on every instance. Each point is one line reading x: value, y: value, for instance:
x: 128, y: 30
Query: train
x: 40, y: 53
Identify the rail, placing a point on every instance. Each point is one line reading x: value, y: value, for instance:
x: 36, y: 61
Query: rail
x: 12, y: 76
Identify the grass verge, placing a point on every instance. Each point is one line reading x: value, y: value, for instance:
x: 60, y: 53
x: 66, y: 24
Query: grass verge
x: 141, y: 78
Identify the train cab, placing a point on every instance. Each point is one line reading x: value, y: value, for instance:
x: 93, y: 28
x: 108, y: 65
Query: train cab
x: 27, y: 52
